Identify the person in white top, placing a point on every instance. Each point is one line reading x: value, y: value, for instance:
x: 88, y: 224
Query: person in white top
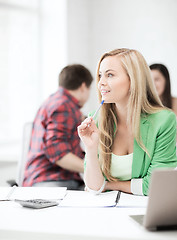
x: 132, y: 122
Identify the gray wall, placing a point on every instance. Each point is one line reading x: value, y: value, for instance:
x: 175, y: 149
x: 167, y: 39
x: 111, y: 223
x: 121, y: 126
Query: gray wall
x: 7, y: 172
x: 97, y: 26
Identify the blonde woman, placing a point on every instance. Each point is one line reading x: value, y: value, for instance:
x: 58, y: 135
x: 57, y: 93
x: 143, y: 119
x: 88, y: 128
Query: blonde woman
x: 134, y: 133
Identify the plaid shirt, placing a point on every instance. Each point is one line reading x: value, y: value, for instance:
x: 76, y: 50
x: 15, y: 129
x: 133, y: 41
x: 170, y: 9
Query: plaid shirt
x: 54, y: 134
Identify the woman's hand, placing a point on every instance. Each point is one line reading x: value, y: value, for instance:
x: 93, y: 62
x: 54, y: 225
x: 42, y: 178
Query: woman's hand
x: 89, y: 133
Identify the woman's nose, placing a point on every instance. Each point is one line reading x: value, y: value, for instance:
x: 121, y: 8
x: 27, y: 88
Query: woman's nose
x: 102, y: 81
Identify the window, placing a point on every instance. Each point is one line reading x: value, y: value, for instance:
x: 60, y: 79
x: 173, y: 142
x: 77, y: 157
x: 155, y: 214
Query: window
x: 30, y: 35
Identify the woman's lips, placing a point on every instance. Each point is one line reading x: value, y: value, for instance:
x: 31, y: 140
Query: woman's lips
x: 104, y: 92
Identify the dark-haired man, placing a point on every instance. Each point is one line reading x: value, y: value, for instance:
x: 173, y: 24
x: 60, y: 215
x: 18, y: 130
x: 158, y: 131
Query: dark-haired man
x: 55, y: 157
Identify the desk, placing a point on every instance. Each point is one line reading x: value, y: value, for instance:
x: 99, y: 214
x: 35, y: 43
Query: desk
x: 18, y: 223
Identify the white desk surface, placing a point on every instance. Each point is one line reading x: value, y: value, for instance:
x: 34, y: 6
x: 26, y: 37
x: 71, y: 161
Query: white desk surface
x: 17, y: 223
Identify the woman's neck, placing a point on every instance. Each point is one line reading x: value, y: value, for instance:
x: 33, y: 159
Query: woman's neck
x: 122, y: 115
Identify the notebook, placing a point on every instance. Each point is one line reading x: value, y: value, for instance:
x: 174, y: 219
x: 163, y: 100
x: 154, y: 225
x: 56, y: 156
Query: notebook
x: 87, y: 199
x: 24, y: 193
x: 105, y: 199
x: 161, y: 213
x: 132, y: 201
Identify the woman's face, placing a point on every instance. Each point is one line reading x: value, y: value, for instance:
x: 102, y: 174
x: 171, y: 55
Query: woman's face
x: 159, y: 81
x: 114, y: 83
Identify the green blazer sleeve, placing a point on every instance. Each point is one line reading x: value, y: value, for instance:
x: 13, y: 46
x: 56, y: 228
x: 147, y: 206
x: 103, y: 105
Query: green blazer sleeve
x: 158, y: 133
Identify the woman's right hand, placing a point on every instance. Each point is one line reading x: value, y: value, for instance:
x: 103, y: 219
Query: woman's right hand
x: 89, y: 133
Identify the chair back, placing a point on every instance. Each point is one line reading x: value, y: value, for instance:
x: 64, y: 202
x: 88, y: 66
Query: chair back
x: 25, y: 148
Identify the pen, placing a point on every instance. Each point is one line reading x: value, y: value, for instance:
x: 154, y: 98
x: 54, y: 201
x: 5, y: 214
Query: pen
x: 118, y: 197
x: 10, y: 192
x: 94, y: 115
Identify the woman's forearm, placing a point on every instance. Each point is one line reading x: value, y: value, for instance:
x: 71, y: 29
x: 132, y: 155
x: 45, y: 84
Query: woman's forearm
x: 94, y: 178
x: 93, y: 175
x: 124, y: 186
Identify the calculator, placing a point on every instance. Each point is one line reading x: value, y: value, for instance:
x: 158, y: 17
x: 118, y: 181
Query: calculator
x: 37, y: 203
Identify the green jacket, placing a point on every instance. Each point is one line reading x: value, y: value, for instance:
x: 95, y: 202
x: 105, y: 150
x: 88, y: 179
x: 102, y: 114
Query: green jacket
x: 158, y: 133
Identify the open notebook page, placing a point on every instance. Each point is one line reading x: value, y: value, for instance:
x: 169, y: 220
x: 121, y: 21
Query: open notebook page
x: 23, y: 193
x: 87, y: 199
x: 130, y: 200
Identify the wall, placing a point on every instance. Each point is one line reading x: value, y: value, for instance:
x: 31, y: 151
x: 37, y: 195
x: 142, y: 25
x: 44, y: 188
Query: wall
x: 8, y: 171
x: 80, y: 39
x: 52, y: 43
x: 97, y: 26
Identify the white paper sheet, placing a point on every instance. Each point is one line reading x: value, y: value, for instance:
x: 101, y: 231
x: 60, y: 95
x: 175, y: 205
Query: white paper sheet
x: 87, y: 199
x: 24, y: 193
x: 130, y: 200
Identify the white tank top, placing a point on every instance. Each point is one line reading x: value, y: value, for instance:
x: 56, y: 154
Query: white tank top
x: 121, y: 166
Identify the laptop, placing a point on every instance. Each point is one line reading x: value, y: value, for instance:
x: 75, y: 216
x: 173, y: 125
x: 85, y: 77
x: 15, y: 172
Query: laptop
x: 161, y: 213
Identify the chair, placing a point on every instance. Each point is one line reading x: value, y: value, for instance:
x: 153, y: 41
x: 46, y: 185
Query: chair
x: 25, y: 147
x: 22, y: 162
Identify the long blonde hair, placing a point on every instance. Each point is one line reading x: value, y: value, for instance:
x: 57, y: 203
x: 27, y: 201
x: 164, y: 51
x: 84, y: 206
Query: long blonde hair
x: 143, y: 100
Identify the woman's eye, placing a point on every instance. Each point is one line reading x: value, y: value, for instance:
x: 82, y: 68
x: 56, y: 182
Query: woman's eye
x: 110, y: 75
x: 99, y: 76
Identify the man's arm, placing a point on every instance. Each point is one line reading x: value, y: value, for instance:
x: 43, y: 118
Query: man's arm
x: 61, y: 140
x: 71, y: 162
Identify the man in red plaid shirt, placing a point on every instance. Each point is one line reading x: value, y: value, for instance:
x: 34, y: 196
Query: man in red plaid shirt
x: 55, y: 157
